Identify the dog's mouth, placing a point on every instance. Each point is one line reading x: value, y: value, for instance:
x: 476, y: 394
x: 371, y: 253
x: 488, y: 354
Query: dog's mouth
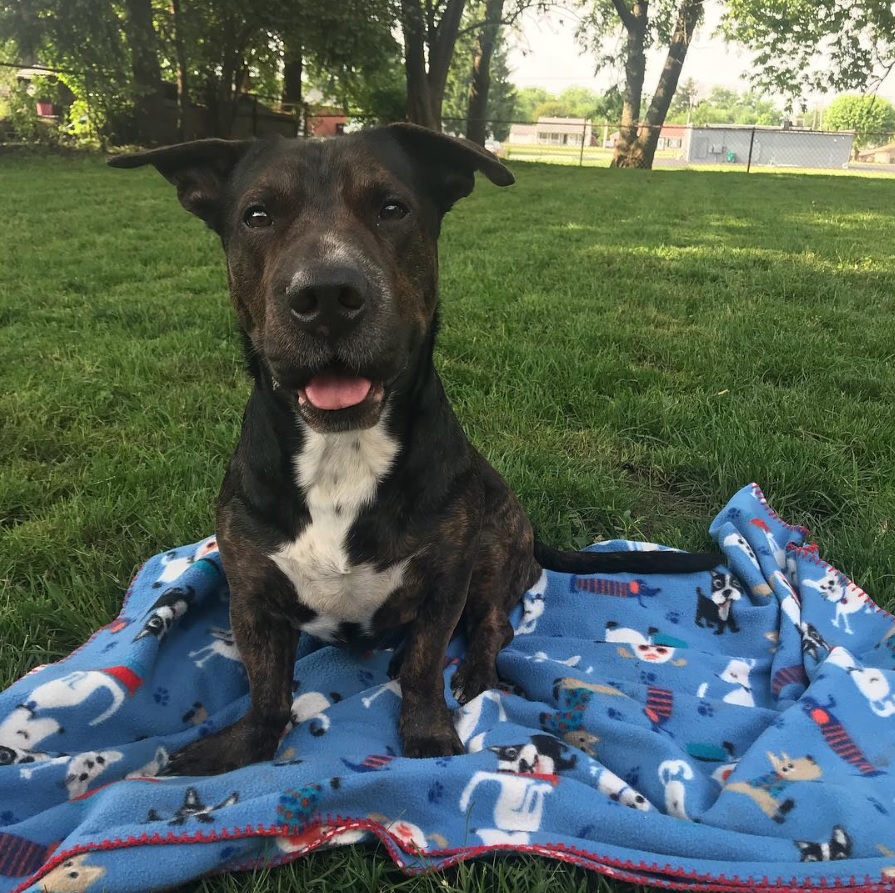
x: 332, y: 391
x: 337, y: 401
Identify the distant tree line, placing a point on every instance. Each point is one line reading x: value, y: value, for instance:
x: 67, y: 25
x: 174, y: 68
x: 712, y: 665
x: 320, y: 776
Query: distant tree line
x: 435, y: 62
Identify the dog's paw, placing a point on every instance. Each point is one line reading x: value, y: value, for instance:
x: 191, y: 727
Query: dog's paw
x: 445, y: 743
x: 232, y: 748
x: 197, y: 760
x: 471, y: 680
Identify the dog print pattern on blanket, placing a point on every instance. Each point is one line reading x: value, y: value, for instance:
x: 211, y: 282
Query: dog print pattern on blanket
x: 734, y: 728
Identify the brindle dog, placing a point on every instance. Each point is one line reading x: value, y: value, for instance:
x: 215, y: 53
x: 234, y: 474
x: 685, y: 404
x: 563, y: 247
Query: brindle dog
x: 354, y: 507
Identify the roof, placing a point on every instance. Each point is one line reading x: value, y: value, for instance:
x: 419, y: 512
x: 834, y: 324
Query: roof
x: 26, y: 74
x: 563, y: 125
x: 869, y: 153
x: 769, y: 128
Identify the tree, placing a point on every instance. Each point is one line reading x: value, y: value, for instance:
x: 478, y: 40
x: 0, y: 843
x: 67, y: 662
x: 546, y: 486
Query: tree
x: 430, y: 29
x: 486, y: 38
x: 117, y: 54
x: 723, y: 106
x: 685, y: 99
x: 146, y: 71
x: 871, y: 117
x: 500, y: 108
x: 351, y: 53
x: 528, y: 99
x: 433, y: 31
x: 552, y: 108
x: 84, y: 41
x: 668, y: 24
x: 502, y: 96
x: 804, y: 46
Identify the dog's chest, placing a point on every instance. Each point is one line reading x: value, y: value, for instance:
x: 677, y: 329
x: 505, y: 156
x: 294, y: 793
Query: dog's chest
x: 338, y: 475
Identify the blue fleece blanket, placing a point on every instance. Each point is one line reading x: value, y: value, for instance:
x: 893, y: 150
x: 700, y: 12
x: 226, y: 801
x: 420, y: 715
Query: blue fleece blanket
x: 733, y: 729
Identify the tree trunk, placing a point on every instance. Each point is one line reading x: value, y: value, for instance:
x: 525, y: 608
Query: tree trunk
x: 635, y: 21
x: 418, y: 108
x: 149, y: 103
x: 477, y: 108
x: 636, y: 146
x: 293, y: 65
x: 426, y: 84
x: 226, y: 90
x: 688, y: 18
x: 183, y: 96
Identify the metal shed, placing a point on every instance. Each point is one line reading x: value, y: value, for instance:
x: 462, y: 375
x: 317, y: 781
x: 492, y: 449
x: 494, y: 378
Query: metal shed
x: 768, y: 146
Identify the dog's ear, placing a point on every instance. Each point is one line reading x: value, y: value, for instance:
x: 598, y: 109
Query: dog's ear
x: 198, y: 169
x: 449, y: 163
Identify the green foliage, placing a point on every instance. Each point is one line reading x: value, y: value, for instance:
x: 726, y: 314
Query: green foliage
x: 22, y: 115
x: 871, y: 117
x: 502, y: 99
x: 22, y: 111
x: 685, y: 99
x: 553, y: 108
x: 527, y: 99
x: 723, y: 106
x: 573, y: 102
x: 814, y: 45
x: 351, y: 52
x: 83, y: 37
x: 80, y: 128
x: 600, y: 26
x: 230, y: 46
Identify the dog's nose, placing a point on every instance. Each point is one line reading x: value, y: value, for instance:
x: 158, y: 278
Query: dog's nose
x: 328, y: 302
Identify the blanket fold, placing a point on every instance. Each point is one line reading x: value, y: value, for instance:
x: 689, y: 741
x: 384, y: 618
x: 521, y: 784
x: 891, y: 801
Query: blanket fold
x: 730, y: 729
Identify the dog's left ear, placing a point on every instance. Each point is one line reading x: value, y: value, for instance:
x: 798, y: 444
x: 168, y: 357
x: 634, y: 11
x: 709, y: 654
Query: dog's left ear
x: 198, y: 169
x: 449, y: 162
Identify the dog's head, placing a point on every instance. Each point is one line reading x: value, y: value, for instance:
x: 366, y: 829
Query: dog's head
x: 725, y: 588
x: 331, y: 253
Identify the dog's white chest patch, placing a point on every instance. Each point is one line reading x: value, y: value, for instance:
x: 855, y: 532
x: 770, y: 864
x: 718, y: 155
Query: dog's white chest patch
x: 339, y: 474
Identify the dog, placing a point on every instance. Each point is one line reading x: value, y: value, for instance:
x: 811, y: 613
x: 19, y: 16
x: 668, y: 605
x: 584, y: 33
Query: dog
x: 715, y: 610
x: 354, y: 507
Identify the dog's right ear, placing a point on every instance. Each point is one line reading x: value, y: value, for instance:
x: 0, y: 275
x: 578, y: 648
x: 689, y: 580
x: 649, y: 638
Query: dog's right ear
x: 198, y: 169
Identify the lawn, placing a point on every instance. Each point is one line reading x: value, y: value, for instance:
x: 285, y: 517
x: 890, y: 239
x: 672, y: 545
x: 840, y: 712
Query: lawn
x: 627, y: 347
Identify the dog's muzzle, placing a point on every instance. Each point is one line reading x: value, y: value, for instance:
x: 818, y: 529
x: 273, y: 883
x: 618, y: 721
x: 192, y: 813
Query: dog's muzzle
x: 329, y: 302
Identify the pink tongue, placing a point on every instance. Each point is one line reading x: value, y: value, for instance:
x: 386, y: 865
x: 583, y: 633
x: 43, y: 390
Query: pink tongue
x: 336, y: 392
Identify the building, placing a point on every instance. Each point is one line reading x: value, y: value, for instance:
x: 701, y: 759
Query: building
x: 879, y: 154
x: 672, y: 136
x: 768, y: 146
x: 560, y: 132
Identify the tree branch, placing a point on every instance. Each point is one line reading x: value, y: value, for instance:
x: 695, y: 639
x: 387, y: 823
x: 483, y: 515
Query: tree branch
x: 624, y: 14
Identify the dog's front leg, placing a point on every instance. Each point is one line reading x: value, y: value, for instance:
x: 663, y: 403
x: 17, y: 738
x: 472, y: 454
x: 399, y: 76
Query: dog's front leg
x: 425, y: 725
x: 267, y: 644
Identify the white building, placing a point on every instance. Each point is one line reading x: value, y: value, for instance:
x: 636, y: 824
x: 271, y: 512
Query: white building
x: 553, y: 132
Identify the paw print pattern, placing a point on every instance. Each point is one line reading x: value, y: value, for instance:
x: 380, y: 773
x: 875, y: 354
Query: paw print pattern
x: 161, y: 696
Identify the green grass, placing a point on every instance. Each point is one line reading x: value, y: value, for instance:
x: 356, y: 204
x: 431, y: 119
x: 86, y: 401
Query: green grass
x: 627, y: 347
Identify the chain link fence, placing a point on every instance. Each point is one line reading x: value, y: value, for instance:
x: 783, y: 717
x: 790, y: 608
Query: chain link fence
x: 570, y: 141
x: 726, y: 147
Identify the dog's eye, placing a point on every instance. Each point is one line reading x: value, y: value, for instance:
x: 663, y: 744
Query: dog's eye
x: 393, y: 210
x: 256, y: 216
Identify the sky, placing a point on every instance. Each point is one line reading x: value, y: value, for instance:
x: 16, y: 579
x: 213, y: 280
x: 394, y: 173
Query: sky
x: 547, y: 55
